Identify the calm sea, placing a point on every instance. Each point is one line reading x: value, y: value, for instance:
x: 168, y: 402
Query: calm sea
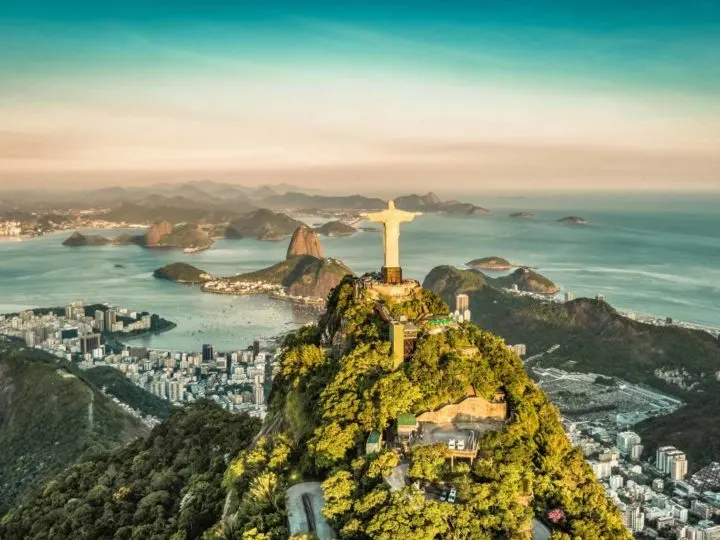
x: 653, y: 254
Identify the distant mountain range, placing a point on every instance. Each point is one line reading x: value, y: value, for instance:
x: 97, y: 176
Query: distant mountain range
x: 207, y: 201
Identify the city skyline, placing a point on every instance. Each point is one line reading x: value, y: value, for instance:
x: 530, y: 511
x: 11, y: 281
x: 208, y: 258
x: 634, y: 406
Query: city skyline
x: 544, y: 95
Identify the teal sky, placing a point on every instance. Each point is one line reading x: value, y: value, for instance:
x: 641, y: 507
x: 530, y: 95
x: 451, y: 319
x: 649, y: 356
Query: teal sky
x: 553, y: 92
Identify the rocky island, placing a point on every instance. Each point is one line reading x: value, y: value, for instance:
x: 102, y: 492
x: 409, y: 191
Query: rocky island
x: 491, y: 263
x: 182, y: 273
x: 573, y: 220
x: 525, y: 215
x: 78, y: 239
x: 335, y: 228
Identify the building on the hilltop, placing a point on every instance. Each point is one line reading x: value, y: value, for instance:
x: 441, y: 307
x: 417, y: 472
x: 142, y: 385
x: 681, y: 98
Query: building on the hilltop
x: 407, y: 424
x: 373, y: 443
x: 440, y: 323
x: 471, y: 408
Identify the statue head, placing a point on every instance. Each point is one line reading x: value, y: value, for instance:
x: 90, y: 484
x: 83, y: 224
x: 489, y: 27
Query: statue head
x: 391, y: 204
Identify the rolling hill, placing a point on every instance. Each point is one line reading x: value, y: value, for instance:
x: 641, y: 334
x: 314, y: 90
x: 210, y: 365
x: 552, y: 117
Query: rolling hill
x: 50, y: 416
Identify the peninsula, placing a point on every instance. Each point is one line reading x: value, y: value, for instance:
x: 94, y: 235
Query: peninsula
x: 305, y: 276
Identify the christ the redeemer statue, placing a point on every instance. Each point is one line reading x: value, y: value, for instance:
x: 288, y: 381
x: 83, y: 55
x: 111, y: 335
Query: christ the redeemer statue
x: 391, y: 220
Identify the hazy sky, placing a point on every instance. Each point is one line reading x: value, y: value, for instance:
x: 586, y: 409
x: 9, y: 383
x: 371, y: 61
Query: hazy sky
x: 497, y: 94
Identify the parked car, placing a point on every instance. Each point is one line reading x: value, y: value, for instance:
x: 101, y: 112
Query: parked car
x: 453, y: 495
x: 444, y: 496
x: 461, y: 444
x: 451, y: 444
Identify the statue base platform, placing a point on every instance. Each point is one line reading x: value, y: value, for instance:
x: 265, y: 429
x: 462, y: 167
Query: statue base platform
x: 397, y: 292
x: 392, y: 275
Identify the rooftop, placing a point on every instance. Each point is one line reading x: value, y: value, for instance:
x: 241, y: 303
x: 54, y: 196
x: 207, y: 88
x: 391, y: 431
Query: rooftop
x: 406, y: 419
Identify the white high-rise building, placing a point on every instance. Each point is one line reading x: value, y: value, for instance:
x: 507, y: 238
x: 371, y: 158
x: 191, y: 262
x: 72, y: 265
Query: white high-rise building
x: 678, y: 466
x: 462, y: 302
x: 259, y: 391
x: 661, y: 456
x: 626, y: 440
x: 671, y: 461
x: 602, y: 469
x: 634, y: 518
x: 616, y: 481
x: 636, y: 452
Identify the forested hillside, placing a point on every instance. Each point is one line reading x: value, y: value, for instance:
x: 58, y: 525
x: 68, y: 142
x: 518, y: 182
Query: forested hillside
x: 167, y: 485
x: 49, y: 418
x: 324, y: 405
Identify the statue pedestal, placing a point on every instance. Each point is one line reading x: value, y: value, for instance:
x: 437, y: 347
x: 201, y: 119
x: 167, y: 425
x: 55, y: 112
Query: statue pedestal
x: 392, y: 275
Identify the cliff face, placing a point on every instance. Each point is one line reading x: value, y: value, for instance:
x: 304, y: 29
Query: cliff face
x: 304, y: 241
x: 315, y: 277
x: 156, y: 232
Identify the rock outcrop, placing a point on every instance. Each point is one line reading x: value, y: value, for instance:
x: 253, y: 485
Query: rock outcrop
x: 573, y: 220
x: 156, y: 231
x: 304, y: 241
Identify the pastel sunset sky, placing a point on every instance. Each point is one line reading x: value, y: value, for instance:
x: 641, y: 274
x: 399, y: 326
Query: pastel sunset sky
x: 474, y: 94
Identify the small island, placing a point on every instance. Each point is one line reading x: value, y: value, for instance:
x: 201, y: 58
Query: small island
x: 523, y: 215
x: 491, y: 263
x: 182, y: 273
x: 573, y: 220
x: 335, y: 228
